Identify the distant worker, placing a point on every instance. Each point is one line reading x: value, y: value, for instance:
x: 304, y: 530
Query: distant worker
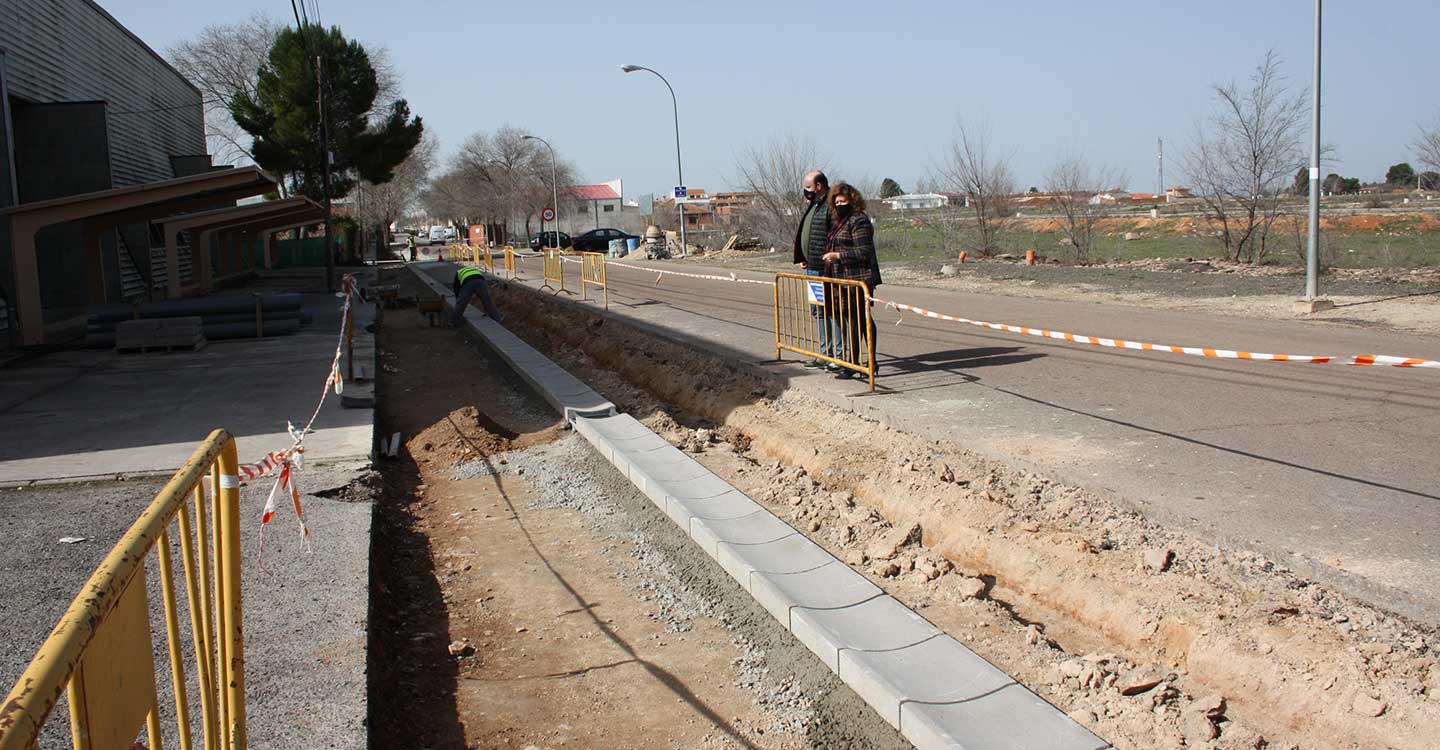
x: 470, y: 281
x: 410, y: 243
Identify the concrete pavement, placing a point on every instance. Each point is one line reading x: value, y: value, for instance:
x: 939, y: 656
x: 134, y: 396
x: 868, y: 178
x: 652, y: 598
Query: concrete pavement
x: 94, y: 413
x: 1324, y: 467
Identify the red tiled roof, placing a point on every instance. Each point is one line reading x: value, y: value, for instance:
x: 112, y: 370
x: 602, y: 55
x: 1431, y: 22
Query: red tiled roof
x: 588, y: 193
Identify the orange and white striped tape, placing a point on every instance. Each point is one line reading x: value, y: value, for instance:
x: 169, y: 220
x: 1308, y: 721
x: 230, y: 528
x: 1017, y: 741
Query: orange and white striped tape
x: 1380, y: 360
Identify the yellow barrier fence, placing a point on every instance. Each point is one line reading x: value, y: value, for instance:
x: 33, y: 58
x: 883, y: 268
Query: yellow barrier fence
x: 827, y: 319
x: 483, y: 253
x: 510, y: 262
x: 100, y: 653
x: 592, y: 273
x: 555, y: 271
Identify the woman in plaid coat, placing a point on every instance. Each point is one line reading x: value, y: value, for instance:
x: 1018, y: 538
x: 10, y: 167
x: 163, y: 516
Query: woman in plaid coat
x: 850, y: 254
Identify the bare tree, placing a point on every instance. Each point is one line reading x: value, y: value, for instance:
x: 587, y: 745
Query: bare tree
x: 1427, y: 146
x: 977, y: 170
x: 498, y: 175
x: 222, y: 62
x: 1073, y: 183
x: 774, y: 172
x: 1247, y: 156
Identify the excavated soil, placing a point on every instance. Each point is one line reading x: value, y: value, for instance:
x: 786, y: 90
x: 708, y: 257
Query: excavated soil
x: 1146, y: 635
x: 525, y: 595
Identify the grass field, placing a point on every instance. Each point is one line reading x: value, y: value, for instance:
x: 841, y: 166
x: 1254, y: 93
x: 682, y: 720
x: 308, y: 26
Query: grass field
x: 897, y: 242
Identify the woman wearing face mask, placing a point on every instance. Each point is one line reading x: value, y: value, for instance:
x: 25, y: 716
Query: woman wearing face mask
x: 850, y: 254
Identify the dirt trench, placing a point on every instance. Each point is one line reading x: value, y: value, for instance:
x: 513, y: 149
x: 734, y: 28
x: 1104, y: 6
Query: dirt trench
x: 525, y: 595
x: 1148, y: 636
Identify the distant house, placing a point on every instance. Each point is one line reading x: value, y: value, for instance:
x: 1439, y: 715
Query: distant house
x: 729, y: 206
x: 592, y: 206
x: 916, y: 201
x: 1178, y: 193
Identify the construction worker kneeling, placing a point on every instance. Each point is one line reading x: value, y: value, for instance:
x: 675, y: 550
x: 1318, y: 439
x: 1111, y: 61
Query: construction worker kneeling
x: 470, y: 281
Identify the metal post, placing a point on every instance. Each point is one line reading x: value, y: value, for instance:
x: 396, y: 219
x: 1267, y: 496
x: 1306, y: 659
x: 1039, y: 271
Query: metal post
x: 1312, y: 253
x: 325, y: 172
x: 555, y: 191
x: 679, y: 168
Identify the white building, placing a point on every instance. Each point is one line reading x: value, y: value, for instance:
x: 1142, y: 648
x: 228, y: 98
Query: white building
x: 913, y: 201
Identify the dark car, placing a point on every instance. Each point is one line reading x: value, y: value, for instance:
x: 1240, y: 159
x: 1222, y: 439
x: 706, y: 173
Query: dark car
x: 535, y: 242
x: 598, y: 240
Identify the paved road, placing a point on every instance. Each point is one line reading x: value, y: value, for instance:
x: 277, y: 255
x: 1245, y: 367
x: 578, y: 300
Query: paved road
x: 1330, y: 468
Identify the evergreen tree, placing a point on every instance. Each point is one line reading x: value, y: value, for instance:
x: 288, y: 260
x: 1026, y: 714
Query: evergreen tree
x: 367, y: 142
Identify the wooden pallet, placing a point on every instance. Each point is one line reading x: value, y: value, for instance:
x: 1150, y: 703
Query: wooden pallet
x: 160, y: 334
x: 191, y: 347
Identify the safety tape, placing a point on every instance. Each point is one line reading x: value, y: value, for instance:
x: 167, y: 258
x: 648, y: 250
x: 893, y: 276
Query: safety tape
x: 1358, y: 360
x: 1362, y: 360
x: 289, y: 462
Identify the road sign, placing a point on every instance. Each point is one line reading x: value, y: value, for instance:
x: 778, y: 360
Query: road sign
x: 647, y: 204
x: 681, y: 192
x: 548, y: 214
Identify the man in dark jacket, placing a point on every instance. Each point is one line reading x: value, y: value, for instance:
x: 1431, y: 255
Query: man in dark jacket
x: 815, y: 225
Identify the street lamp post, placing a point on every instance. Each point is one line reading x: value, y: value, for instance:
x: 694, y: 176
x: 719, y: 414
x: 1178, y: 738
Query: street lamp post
x: 680, y: 170
x: 554, y: 188
x: 1312, y: 255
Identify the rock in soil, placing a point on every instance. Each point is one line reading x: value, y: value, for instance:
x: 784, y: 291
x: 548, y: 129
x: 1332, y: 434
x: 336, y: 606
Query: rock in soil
x: 891, y: 542
x: 1157, y: 560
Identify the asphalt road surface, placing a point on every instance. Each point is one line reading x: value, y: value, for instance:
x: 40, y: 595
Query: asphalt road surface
x: 1331, y: 469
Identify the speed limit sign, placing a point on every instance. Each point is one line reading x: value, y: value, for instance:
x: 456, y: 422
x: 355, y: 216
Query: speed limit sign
x: 548, y: 214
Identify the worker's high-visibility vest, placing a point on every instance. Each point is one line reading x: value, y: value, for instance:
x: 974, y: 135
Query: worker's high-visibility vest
x: 467, y: 274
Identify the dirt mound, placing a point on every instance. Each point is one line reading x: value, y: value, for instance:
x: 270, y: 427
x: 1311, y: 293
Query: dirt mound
x: 462, y: 435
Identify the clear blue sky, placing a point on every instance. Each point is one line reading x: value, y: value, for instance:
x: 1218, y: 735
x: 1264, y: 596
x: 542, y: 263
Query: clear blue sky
x: 878, y: 85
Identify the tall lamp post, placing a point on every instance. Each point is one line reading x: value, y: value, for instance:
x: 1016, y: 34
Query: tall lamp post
x: 1312, y: 254
x: 680, y: 170
x: 554, y: 188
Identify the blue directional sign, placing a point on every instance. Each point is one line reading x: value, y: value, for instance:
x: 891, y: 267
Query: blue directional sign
x: 681, y: 192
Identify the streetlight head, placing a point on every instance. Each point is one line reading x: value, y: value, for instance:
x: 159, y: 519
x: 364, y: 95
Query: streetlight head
x: 529, y: 138
x: 630, y: 68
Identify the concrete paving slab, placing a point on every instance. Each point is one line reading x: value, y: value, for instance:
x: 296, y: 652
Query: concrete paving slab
x: 830, y: 586
x: 700, y: 488
x: 793, y: 554
x: 1012, y: 718
x: 759, y: 527
x: 873, y: 624
x: 935, y: 670
x: 732, y: 504
x: 667, y: 464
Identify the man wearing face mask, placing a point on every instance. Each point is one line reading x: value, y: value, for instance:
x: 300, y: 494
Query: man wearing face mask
x: 815, y: 225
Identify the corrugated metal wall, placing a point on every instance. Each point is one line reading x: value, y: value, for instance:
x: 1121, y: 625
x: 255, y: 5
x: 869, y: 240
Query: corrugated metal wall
x: 72, y: 50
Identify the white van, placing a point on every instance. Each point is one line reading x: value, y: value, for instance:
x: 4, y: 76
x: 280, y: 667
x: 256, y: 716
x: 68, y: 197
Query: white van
x: 437, y: 235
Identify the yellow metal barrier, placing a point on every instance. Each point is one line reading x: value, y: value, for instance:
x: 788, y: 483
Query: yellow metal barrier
x: 827, y: 319
x: 555, y: 270
x: 483, y: 251
x: 510, y: 262
x: 100, y: 653
x: 592, y: 273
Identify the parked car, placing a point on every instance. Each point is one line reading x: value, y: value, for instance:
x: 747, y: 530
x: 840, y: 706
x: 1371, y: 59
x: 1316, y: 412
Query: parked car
x: 549, y: 241
x: 598, y: 240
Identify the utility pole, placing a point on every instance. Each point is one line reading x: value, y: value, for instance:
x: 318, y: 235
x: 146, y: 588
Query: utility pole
x: 325, y: 172
x: 1312, y: 253
x: 1160, y: 177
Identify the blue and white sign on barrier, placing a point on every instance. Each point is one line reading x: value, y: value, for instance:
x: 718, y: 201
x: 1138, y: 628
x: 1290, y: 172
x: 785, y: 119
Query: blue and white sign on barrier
x: 815, y: 292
